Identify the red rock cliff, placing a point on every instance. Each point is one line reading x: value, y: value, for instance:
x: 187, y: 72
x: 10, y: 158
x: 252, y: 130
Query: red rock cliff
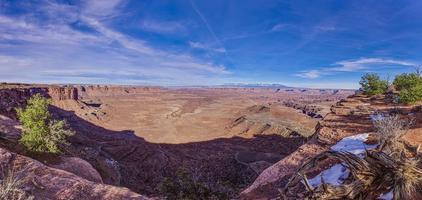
x: 12, y: 98
x: 63, y: 93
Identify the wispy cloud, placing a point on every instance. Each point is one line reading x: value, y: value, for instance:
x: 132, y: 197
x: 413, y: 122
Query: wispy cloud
x: 103, y: 8
x: 357, y: 65
x: 163, y: 26
x: 311, y: 74
x: 42, y: 47
x: 278, y: 27
x: 367, y: 63
x: 326, y: 28
x: 209, y: 28
x: 198, y: 45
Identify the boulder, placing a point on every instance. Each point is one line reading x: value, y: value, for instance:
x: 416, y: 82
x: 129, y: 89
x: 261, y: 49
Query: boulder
x: 45, y: 182
x: 79, y: 167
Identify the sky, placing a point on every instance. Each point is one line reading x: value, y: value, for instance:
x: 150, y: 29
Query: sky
x: 317, y: 44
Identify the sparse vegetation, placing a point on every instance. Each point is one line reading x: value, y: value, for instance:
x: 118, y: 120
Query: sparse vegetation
x: 11, y: 188
x: 189, y: 183
x: 184, y: 186
x: 372, y: 84
x: 410, y: 87
x: 40, y: 132
x: 390, y: 132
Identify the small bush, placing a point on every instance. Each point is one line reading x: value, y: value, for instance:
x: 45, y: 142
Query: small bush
x: 40, y: 132
x: 410, y: 87
x: 390, y: 131
x: 184, y: 186
x: 371, y: 84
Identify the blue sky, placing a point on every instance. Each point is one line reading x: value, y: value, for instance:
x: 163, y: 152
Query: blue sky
x: 321, y: 44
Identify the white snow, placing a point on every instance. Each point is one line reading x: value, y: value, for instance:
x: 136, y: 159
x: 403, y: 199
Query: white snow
x: 386, y: 196
x: 335, y: 175
x: 354, y: 144
x: 377, y: 117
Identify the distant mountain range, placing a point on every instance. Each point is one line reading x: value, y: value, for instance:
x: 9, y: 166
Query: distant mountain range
x: 255, y: 85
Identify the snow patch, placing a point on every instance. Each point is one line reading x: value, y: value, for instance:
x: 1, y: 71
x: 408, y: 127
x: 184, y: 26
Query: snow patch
x: 335, y: 175
x: 386, y: 196
x: 354, y: 144
x: 377, y: 117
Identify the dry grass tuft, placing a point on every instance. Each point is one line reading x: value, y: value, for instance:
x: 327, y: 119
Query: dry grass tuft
x: 390, y: 130
x: 11, y: 188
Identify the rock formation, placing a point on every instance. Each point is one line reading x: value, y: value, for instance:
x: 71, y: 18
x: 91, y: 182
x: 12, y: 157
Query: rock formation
x: 349, y: 117
x: 44, y: 182
x: 63, y: 93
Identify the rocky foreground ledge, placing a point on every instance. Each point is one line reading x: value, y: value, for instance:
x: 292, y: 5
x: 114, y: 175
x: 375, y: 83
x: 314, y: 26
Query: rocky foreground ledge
x: 45, y: 182
x: 349, y: 117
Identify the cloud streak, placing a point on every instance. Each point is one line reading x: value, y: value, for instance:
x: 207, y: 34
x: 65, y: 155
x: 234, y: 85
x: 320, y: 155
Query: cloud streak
x: 357, y: 65
x: 164, y: 27
x: 198, y: 45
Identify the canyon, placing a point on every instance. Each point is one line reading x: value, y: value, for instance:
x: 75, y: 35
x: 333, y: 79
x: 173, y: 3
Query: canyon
x: 235, y: 142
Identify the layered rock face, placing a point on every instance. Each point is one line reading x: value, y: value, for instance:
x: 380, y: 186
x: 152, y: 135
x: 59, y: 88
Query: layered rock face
x: 11, y: 98
x: 63, y: 93
x: 104, y: 90
x: 17, y: 97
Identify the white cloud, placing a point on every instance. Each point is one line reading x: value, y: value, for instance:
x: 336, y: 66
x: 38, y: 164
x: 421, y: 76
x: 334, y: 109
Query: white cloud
x: 362, y: 64
x: 163, y: 26
x: 365, y: 63
x: 40, y: 48
x: 326, y: 28
x: 311, y: 74
x: 198, y: 45
x: 103, y: 8
x: 127, y: 42
x: 278, y: 27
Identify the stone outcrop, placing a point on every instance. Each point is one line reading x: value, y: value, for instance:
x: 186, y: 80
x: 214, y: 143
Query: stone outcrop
x: 16, y: 97
x: 105, y: 90
x: 79, y: 167
x: 11, y: 98
x: 63, y: 93
x: 44, y: 182
x: 347, y: 119
x: 310, y: 110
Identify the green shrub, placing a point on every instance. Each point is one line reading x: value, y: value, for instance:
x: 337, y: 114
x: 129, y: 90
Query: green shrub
x: 371, y: 84
x: 409, y: 86
x: 40, y: 132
